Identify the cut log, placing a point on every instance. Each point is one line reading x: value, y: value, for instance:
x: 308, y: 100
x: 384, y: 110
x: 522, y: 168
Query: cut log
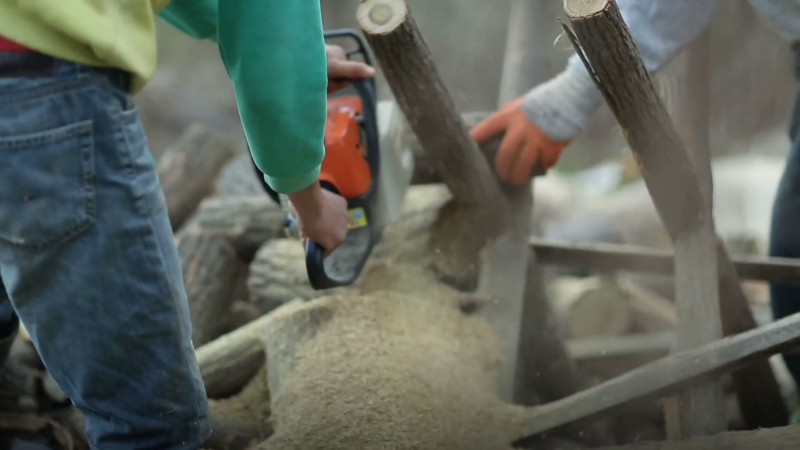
x: 408, y: 67
x: 651, y: 312
x: 278, y: 275
x: 188, y: 170
x: 72, y: 419
x: 605, y: 306
x: 246, y: 222
x: 782, y: 438
x: 241, y: 421
x: 240, y: 314
x: 591, y: 307
x: 668, y: 376
x: 19, y: 387
x: 228, y: 362
x: 211, y: 271
x: 238, y: 178
x: 669, y: 173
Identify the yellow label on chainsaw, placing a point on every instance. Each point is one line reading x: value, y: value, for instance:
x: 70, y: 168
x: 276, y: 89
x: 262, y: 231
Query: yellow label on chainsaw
x: 358, y: 219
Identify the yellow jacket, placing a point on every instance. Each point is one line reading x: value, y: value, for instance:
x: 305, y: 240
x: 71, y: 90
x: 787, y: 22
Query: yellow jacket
x: 115, y: 33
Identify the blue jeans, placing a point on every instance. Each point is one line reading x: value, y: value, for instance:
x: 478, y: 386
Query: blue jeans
x: 785, y: 230
x: 82, y: 212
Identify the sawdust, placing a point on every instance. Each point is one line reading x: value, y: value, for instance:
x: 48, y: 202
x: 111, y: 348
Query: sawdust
x: 387, y: 371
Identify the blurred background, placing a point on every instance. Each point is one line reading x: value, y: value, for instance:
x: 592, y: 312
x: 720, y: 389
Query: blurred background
x: 752, y: 82
x: 752, y: 93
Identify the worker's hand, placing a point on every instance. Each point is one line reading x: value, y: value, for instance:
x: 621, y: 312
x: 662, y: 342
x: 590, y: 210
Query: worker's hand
x: 341, y: 71
x: 524, y: 145
x: 541, y: 124
x: 321, y: 216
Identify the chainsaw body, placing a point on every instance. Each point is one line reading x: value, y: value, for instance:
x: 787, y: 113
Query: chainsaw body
x: 352, y: 168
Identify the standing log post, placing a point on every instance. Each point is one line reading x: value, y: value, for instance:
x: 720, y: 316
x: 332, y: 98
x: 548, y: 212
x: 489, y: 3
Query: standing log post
x: 544, y: 370
x: 699, y: 411
x: 212, y: 274
x: 409, y: 69
x: 606, y: 47
x: 479, y: 201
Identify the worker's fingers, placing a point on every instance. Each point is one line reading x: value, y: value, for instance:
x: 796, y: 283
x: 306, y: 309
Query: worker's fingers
x: 527, y: 159
x: 489, y: 127
x: 552, y: 154
x: 508, y: 153
x: 352, y: 70
x: 334, y: 85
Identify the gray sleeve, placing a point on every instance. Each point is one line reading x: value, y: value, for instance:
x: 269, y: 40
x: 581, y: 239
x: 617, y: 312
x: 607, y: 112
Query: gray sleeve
x: 661, y: 28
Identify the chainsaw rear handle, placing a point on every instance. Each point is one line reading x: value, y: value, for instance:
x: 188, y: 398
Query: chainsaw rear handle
x: 315, y: 262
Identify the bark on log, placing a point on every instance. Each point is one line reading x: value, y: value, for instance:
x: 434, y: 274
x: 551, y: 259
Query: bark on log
x: 246, y: 222
x: 241, y: 421
x: 611, y: 57
x: 238, y: 179
x: 408, y: 67
x: 668, y: 376
x: 19, y: 387
x: 188, y: 171
x: 211, y: 273
x: 781, y: 438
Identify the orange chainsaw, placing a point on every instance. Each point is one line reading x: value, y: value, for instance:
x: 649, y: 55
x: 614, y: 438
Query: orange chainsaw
x: 351, y: 168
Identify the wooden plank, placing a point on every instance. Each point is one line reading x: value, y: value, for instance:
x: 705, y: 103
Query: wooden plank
x: 544, y: 371
x: 667, y: 376
x: 780, y: 438
x: 640, y: 259
x: 605, y: 46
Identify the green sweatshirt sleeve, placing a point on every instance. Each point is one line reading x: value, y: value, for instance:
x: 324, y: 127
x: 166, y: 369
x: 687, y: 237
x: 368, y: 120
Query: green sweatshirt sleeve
x: 274, y: 52
x: 196, y: 18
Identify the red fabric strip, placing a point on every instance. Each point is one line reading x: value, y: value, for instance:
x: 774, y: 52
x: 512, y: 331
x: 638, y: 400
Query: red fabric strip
x: 7, y: 45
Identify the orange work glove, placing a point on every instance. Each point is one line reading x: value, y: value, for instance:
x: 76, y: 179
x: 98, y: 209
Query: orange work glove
x: 523, y: 146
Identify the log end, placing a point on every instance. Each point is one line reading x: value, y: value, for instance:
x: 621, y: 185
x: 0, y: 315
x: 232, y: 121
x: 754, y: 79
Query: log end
x: 580, y: 9
x: 376, y: 17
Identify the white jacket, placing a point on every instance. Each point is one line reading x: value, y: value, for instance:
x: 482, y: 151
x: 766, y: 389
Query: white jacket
x: 660, y: 28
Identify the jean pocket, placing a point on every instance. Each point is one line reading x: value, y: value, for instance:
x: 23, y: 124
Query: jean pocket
x: 47, y: 191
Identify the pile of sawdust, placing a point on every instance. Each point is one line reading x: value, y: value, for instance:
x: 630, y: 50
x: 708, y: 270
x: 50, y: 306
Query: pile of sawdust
x: 386, y: 370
